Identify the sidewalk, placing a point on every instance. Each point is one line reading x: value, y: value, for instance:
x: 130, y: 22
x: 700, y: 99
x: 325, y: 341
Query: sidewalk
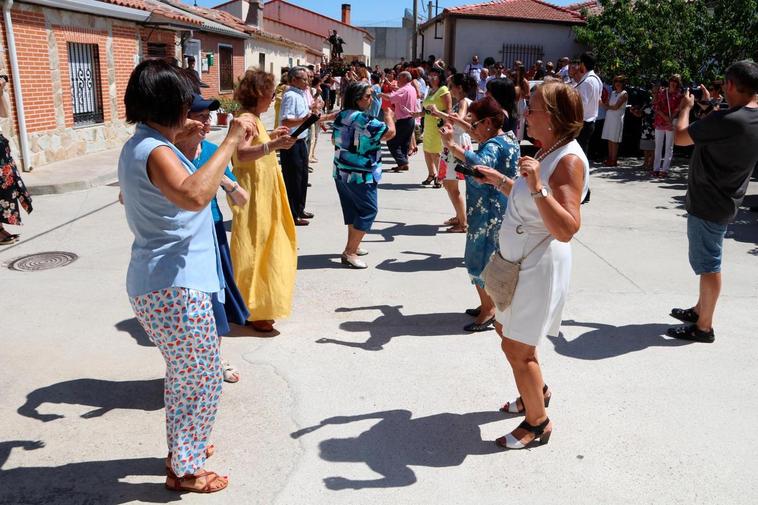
x: 92, y: 170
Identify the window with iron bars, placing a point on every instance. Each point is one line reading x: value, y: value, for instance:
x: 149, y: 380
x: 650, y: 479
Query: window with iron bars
x: 526, y: 54
x: 86, y: 95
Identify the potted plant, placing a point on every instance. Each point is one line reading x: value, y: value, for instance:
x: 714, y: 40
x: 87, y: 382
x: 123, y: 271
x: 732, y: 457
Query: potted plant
x: 228, y: 107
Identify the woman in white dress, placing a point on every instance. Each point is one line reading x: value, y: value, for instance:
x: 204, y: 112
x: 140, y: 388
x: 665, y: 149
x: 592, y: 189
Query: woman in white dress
x: 540, y: 221
x: 613, y: 127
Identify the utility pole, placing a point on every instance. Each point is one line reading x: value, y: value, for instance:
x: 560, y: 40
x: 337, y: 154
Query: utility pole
x: 414, y: 44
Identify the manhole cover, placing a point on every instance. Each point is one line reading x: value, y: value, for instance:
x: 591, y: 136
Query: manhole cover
x: 42, y: 261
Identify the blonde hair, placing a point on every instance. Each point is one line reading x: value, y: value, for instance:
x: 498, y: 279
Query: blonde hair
x: 564, y: 104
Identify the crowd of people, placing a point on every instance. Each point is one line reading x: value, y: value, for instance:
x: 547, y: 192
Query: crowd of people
x: 186, y: 282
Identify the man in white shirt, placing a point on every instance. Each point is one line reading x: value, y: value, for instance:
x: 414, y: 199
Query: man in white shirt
x: 474, y: 68
x: 563, y: 69
x: 590, y: 88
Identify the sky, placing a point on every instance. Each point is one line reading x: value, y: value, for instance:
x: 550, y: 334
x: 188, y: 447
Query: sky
x: 371, y: 12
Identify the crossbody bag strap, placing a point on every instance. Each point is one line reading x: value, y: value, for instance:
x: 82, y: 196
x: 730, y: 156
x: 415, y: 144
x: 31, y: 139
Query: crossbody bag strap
x: 534, y: 248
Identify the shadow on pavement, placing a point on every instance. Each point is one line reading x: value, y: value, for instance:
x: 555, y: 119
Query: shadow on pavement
x: 430, y: 263
x: 392, y: 323
x: 396, y: 229
x: 607, y: 341
x: 318, y: 261
x: 104, y: 395
x: 135, y: 330
x: 91, y: 482
x: 397, y: 442
x: 400, y: 187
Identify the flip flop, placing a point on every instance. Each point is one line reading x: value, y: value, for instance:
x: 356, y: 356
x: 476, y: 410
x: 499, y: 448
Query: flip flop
x: 457, y: 229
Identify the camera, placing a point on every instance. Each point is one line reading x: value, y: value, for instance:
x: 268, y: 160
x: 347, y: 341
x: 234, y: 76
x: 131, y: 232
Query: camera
x: 696, y: 92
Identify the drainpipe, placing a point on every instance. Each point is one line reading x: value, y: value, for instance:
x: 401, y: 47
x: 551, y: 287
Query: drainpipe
x: 22, y: 133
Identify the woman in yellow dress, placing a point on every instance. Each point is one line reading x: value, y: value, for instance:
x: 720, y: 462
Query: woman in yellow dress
x: 439, y: 96
x: 263, y: 244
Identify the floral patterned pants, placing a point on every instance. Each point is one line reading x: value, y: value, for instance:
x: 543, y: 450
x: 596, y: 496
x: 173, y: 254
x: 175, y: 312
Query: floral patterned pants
x: 180, y: 323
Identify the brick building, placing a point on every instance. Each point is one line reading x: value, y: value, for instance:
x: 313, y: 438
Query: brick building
x: 69, y: 61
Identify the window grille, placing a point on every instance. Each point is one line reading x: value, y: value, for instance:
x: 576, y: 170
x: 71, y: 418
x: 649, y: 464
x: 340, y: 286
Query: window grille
x: 225, y: 68
x: 86, y: 96
x: 528, y: 55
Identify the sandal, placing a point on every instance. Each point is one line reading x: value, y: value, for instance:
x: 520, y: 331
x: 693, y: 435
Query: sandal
x: 262, y: 326
x: 458, y: 228
x: 428, y: 180
x: 231, y: 374
x: 175, y: 483
x: 437, y: 184
x: 685, y: 315
x: 513, y: 408
x: 452, y: 221
x: 485, y: 326
x: 474, y: 312
x: 692, y: 333
x: 540, y: 433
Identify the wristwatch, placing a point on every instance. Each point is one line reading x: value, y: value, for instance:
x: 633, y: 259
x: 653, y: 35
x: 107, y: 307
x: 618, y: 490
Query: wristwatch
x: 542, y: 193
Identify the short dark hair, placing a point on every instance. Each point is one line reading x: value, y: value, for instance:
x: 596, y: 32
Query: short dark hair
x: 159, y: 93
x: 503, y: 90
x: 488, y: 107
x: 744, y: 75
x: 353, y: 94
x: 440, y: 73
x: 375, y: 78
x: 466, y: 82
x: 588, y: 58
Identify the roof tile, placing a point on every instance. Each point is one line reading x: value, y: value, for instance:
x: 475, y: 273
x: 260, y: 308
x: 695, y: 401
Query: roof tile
x: 519, y: 9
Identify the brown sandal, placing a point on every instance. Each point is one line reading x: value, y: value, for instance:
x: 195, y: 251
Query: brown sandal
x: 458, y: 228
x: 452, y: 221
x: 174, y: 483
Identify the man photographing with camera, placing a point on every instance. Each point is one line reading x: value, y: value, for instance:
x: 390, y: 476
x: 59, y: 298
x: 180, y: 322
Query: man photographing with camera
x: 726, y: 152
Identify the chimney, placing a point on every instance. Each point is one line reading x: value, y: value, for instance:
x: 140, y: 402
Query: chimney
x: 254, y: 14
x: 346, y: 13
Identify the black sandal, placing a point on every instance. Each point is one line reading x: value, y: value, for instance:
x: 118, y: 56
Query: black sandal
x: 692, y: 333
x: 485, y: 326
x: 474, y: 312
x: 437, y: 184
x: 428, y: 180
x: 685, y: 315
x: 540, y: 436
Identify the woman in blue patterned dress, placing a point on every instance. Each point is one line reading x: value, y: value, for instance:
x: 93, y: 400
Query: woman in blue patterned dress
x: 357, y: 165
x: 485, y: 205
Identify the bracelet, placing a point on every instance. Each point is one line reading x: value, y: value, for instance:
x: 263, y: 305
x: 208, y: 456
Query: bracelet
x: 502, y: 183
x: 266, y: 149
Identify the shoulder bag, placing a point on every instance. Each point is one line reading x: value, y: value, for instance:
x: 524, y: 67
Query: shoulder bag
x: 500, y: 277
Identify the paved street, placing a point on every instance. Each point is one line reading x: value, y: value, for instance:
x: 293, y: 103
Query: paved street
x: 371, y: 393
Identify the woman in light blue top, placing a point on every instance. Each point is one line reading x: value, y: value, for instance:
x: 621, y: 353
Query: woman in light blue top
x: 174, y: 268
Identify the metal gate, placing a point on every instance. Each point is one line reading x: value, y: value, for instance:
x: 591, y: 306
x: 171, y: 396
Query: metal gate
x: 84, y: 69
x: 528, y: 55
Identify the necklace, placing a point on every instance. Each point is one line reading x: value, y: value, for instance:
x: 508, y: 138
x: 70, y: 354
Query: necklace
x: 542, y: 154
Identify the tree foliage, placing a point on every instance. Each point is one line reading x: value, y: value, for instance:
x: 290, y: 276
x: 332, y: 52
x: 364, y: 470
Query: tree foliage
x: 650, y: 39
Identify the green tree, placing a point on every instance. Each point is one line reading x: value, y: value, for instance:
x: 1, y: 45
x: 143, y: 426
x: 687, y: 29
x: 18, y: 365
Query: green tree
x: 649, y: 39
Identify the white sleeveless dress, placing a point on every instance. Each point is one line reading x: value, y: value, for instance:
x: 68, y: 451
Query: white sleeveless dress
x: 613, y: 127
x: 543, y: 282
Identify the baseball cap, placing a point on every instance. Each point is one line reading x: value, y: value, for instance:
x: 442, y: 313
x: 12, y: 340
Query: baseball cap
x: 199, y: 104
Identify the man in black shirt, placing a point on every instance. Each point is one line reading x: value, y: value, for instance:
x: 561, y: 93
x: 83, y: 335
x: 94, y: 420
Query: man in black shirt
x: 726, y: 152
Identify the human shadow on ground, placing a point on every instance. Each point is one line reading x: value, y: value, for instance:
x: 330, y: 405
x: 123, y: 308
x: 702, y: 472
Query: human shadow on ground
x: 397, y: 442
x: 97, y: 482
x: 104, y: 395
x: 393, y: 323
x: 676, y: 179
x: 396, y: 229
x: 607, y: 341
x: 400, y: 186
x: 135, y: 330
x: 27, y: 445
x: 744, y: 228
x: 318, y: 261
x: 429, y: 263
